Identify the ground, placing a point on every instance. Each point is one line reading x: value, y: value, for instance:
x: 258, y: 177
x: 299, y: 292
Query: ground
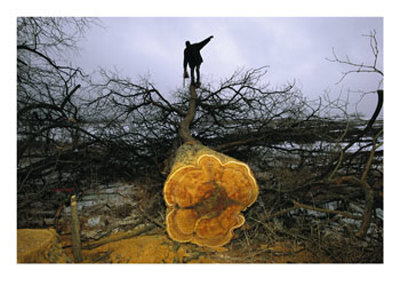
x: 157, y: 247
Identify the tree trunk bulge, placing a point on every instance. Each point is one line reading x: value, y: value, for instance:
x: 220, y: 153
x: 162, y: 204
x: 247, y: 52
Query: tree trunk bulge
x: 205, y: 193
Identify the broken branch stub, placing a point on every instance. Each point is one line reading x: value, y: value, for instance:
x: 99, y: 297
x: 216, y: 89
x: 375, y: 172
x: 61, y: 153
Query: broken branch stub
x: 205, y: 193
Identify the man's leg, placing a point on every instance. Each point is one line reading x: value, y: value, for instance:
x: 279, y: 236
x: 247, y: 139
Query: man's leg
x: 192, y: 76
x: 198, y: 75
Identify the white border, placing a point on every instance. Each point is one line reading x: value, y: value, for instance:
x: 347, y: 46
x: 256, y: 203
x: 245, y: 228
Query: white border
x: 200, y: 282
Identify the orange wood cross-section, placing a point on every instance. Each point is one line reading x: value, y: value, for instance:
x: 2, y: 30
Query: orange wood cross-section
x: 205, y: 199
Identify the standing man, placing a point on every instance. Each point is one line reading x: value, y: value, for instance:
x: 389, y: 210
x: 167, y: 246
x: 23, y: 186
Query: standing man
x: 192, y: 56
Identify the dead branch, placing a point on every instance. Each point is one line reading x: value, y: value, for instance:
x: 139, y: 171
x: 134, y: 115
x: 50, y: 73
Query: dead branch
x: 360, y: 67
x: 375, y: 146
x: 327, y: 211
x: 135, y: 232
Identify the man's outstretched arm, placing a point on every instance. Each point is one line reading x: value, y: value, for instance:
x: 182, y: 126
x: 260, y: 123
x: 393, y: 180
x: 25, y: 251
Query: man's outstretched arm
x: 204, y: 43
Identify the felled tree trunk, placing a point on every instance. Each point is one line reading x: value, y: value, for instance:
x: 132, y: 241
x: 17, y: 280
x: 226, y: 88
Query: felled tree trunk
x: 205, y: 191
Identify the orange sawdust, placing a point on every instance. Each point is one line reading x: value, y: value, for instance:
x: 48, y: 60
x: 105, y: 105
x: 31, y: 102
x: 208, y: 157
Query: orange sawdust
x: 159, y: 248
x: 45, y: 246
x: 146, y: 249
x: 287, y: 252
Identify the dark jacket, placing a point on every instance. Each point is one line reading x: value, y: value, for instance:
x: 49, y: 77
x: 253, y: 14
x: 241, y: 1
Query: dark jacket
x: 192, y: 55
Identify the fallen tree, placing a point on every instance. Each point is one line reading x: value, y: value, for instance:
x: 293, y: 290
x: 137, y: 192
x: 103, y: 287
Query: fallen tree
x: 205, y: 191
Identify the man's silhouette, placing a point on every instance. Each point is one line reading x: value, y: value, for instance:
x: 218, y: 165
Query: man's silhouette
x: 191, y: 56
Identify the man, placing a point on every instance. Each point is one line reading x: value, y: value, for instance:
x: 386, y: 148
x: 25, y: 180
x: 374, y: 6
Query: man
x: 191, y: 56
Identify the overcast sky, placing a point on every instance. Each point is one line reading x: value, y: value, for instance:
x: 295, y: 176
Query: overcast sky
x: 294, y: 48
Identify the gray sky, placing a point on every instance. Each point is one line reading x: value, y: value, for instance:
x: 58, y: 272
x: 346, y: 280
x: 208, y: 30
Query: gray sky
x: 294, y: 48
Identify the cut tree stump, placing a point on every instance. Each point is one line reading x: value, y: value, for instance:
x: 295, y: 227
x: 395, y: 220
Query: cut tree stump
x: 40, y: 246
x: 205, y: 193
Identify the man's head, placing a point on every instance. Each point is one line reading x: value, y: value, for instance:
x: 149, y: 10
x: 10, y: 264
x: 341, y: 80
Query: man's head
x: 187, y: 43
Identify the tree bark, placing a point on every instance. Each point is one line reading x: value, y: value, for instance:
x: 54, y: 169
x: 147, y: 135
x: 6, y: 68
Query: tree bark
x: 184, y: 129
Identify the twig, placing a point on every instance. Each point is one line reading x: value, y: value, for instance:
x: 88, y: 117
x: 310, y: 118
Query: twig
x: 328, y: 211
x: 371, y: 156
x: 133, y: 233
x: 149, y: 218
x: 369, y: 203
x: 275, y: 253
x: 340, y: 160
